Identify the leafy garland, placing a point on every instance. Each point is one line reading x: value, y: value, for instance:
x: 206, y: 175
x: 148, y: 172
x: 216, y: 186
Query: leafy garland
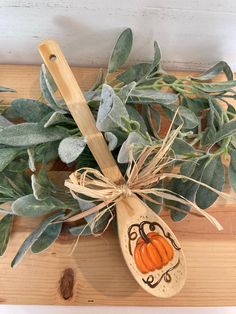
x: 130, y: 107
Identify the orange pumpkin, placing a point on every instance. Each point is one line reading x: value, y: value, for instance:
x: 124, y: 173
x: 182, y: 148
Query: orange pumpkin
x: 152, y: 253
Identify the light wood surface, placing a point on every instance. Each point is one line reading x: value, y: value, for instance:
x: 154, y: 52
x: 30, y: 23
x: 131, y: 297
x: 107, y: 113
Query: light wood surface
x: 96, y: 273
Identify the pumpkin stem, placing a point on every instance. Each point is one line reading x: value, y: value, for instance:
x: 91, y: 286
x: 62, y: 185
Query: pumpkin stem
x: 142, y: 232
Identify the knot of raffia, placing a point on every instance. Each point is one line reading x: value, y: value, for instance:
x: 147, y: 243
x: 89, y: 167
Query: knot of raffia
x: 143, y: 177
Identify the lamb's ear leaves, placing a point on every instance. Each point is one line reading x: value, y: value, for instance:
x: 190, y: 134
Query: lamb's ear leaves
x: 31, y: 161
x: 41, y: 185
x: 134, y: 139
x: 181, y: 147
x: 232, y: 169
x: 213, y: 175
x: 150, y: 96
x: 187, y: 189
x: 34, y: 236
x: 226, y: 130
x: 5, y: 230
x: 85, y: 230
x: 157, y: 57
x: 47, y: 238
x: 221, y: 66
x: 216, y: 87
x: 28, y: 134
x: 136, y: 116
x: 7, y: 155
x: 28, y: 205
x: 48, y: 87
x: 30, y: 110
x: 112, y: 140
x: 4, y: 122
x: 135, y: 73
x: 121, y: 50
x: 46, y: 152
x: 185, y: 116
x: 70, y: 148
x: 6, y: 90
x: 111, y: 111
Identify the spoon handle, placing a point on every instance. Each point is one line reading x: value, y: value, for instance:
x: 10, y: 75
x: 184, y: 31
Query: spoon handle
x: 77, y: 104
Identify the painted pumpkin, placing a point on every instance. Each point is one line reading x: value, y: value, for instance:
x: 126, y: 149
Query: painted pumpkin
x: 152, y: 253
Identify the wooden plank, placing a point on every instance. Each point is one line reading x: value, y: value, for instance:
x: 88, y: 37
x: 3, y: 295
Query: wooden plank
x: 96, y: 273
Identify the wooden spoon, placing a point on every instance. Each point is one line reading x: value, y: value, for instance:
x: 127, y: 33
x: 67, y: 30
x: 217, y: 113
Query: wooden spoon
x: 151, y: 250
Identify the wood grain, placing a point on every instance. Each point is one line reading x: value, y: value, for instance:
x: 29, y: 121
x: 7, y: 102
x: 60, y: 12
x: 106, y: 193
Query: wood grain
x: 96, y: 273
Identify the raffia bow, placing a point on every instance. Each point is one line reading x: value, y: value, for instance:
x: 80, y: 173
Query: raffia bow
x: 142, y: 176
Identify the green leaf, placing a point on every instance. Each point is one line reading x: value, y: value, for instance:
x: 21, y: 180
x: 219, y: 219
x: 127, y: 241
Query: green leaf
x: 215, y: 87
x: 6, y: 90
x: 121, y: 50
x: 30, y: 110
x: 5, y: 230
x: 125, y: 91
x: 187, y: 189
x: 33, y: 237
x: 196, y: 105
x: 46, y: 152
x: 70, y: 148
x: 58, y: 117
x: 209, y: 133
x: 29, y: 206
x: 151, y: 96
x: 41, y: 185
x: 134, y: 139
x: 112, y: 140
x: 7, y: 155
x: 17, y: 165
x: 48, y: 87
x: 31, y: 161
x: 185, y: 116
x: 50, y: 235
x: 85, y: 230
x: 111, y: 111
x: 217, y: 110
x: 232, y: 169
x: 226, y: 130
x: 4, y: 122
x: 28, y: 134
x: 157, y: 56
x: 136, y: 116
x: 155, y: 115
x: 213, y: 175
x: 135, y: 73
x: 221, y: 66
x: 189, y: 118
x: 169, y: 79
x: 188, y: 167
x: 181, y: 147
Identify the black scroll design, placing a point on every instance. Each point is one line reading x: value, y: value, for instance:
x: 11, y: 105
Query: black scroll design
x: 133, y: 234
x: 166, y: 276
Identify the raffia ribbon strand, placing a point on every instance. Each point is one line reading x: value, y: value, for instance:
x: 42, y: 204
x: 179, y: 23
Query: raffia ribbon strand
x: 141, y: 178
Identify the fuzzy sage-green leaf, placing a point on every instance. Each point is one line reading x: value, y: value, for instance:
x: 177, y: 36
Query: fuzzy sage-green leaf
x: 121, y: 50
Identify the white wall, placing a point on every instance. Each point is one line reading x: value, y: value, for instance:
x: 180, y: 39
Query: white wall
x: 192, y: 33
